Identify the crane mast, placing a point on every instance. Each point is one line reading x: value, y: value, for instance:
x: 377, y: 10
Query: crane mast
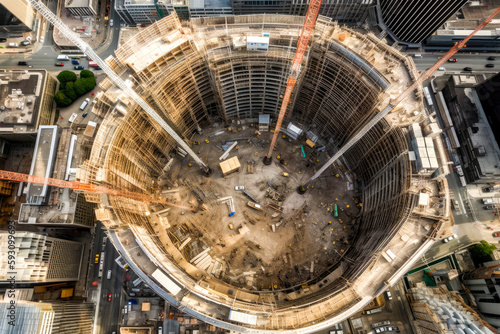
x: 75, y: 39
x: 302, y: 44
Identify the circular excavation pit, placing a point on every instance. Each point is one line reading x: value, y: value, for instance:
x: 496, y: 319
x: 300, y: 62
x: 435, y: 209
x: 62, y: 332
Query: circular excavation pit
x: 298, y: 270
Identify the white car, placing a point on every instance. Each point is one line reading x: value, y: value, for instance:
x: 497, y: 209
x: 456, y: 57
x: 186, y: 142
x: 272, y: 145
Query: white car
x: 389, y: 295
x: 239, y: 188
x: 450, y: 238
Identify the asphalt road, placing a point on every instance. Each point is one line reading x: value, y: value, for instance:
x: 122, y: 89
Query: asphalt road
x: 45, y: 58
x: 394, y: 311
x: 475, y: 61
x: 109, y: 312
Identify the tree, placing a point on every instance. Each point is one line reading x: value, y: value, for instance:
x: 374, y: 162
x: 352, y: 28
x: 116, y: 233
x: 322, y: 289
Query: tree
x: 84, y: 85
x: 86, y: 74
x: 66, y: 76
x: 70, y: 91
x: 481, y: 252
x: 61, y: 99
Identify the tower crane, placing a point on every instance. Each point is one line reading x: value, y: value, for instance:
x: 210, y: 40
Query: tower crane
x: 303, y: 42
x: 75, y: 39
x: 393, y: 103
x: 85, y: 187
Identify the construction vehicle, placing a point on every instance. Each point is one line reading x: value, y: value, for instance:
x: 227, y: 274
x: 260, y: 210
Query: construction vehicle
x: 255, y: 206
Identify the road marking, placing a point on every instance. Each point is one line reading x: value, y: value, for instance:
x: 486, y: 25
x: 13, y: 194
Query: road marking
x: 462, y: 203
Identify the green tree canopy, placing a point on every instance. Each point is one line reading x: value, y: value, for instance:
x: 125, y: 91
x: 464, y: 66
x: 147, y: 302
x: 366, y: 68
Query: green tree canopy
x: 84, y: 85
x: 481, y: 252
x: 70, y: 91
x: 61, y: 99
x: 86, y: 74
x: 66, y: 76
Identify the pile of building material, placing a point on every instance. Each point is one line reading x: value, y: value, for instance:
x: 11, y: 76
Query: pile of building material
x: 230, y: 166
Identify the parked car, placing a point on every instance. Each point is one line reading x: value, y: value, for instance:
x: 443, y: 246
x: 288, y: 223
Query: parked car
x: 452, y: 60
x: 22, y: 63
x: 109, y: 297
x: 496, y: 234
x: 450, y: 238
x: 239, y: 187
x: 85, y: 114
x: 79, y: 67
x: 59, y: 64
x: 75, y: 62
x: 488, y: 189
x: 491, y: 58
x: 389, y: 295
x: 381, y: 323
x: 487, y: 200
x: 489, y: 207
x: 468, y: 69
x: 490, y: 65
x: 391, y: 329
x: 25, y: 43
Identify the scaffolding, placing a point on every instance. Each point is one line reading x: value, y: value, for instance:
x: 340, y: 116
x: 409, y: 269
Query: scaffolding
x: 197, y: 76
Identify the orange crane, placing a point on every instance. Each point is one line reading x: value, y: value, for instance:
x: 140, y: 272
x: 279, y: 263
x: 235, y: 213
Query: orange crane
x: 85, y: 187
x: 307, y: 29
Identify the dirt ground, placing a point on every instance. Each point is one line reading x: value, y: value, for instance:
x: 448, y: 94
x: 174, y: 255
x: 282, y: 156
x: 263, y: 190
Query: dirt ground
x: 264, y: 249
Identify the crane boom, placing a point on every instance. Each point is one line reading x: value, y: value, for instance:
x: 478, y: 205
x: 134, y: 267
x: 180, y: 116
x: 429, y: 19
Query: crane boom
x: 80, y: 186
x: 302, y: 44
x: 59, y: 24
x: 393, y: 103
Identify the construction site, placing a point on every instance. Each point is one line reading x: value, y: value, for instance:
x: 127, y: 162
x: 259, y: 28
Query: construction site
x: 259, y: 180
x: 239, y: 246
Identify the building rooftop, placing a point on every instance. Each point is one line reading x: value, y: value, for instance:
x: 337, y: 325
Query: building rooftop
x: 77, y: 3
x: 20, y: 97
x: 43, y: 160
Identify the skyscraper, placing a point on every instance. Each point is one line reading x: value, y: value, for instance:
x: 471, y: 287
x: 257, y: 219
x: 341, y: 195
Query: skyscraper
x: 40, y: 258
x: 411, y: 21
x: 48, y: 317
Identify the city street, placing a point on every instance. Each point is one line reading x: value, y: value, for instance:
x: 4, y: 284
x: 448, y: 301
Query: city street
x: 475, y: 61
x: 108, y: 313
